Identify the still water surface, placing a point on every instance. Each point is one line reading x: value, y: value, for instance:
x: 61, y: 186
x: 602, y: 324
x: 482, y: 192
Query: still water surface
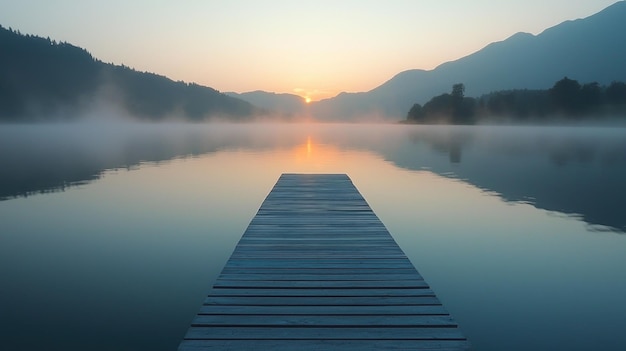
x: 110, y: 236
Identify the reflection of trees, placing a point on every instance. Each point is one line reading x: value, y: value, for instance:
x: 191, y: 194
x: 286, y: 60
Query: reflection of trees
x: 455, y: 153
x: 451, y: 147
x: 571, y: 170
x: 41, y: 159
x: 444, y: 141
x: 572, y: 153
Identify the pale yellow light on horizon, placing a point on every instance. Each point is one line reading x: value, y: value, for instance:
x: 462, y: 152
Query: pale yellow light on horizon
x: 311, y: 95
x: 327, y: 46
x: 309, y: 146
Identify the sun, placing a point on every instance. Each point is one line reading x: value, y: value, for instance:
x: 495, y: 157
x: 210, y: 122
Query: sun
x: 307, y: 100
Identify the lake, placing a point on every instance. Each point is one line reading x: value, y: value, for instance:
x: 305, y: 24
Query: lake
x: 112, y: 234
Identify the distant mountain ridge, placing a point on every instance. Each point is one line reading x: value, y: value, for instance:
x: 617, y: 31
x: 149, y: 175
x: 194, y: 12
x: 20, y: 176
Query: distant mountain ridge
x: 287, y: 106
x: 42, y: 80
x: 589, y: 49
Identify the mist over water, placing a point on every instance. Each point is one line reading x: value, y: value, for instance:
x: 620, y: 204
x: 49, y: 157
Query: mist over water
x: 574, y: 170
x: 115, y: 231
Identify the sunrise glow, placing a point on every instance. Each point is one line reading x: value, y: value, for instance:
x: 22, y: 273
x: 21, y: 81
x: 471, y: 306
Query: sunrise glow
x: 311, y: 156
x: 309, y: 147
x: 215, y: 43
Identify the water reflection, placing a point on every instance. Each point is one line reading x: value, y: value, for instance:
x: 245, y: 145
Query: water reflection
x: 125, y: 261
x: 575, y: 171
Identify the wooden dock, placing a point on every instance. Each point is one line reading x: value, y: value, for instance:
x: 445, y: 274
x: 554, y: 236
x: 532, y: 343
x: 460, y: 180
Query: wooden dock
x: 317, y: 270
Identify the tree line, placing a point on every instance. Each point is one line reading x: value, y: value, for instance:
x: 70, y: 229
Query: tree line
x: 41, y: 79
x: 566, y: 100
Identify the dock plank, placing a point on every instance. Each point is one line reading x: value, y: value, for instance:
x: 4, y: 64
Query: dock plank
x: 381, y: 291
x: 317, y: 270
x: 362, y: 321
x: 345, y: 310
x: 320, y: 344
x: 322, y: 284
x: 321, y: 300
x: 326, y: 333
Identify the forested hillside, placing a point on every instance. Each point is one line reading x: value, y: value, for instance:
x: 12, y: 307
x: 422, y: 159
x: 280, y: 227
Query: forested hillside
x: 42, y: 80
x: 567, y: 100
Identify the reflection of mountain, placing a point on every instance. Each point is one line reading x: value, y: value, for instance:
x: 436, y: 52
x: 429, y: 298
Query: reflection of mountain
x: 573, y: 171
x: 589, y: 49
x: 49, y: 158
x: 577, y: 171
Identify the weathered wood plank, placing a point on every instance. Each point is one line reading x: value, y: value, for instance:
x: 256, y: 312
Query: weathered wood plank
x: 327, y: 333
x: 363, y: 321
x: 333, y: 271
x: 321, y: 300
x: 323, y: 345
x: 271, y: 255
x: 317, y: 270
x: 333, y: 261
x: 345, y: 310
x: 322, y: 284
x: 346, y: 265
x: 321, y: 292
x: 321, y: 276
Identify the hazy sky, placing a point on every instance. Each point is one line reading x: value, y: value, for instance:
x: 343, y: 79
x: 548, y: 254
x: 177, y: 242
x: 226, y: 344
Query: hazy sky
x: 316, y: 48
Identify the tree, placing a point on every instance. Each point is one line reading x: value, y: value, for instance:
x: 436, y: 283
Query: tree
x: 43, y: 79
x: 616, y: 93
x: 458, y: 91
x: 590, y: 96
x: 462, y: 108
x: 439, y: 109
x: 565, y: 95
x: 445, y: 108
x: 415, y: 113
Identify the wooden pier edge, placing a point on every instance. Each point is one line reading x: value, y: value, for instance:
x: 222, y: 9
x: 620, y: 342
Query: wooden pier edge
x: 317, y: 270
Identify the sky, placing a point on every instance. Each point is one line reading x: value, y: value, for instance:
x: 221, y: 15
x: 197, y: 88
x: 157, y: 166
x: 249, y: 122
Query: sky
x: 314, y: 49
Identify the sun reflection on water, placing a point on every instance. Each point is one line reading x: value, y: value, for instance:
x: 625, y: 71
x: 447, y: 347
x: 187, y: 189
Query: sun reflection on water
x: 313, y: 156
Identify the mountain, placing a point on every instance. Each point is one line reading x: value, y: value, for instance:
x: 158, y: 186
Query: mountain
x: 42, y: 80
x: 279, y: 105
x: 589, y: 49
